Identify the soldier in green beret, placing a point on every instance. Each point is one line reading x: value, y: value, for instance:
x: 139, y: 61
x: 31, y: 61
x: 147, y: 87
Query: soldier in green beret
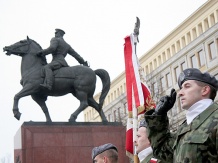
x: 106, y: 153
x: 196, y: 140
x: 143, y: 146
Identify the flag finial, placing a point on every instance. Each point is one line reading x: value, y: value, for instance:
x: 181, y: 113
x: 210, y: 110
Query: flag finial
x: 136, y: 29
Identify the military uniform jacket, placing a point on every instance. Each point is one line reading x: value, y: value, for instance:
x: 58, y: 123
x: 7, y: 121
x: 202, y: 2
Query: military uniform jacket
x: 59, y: 48
x: 193, y: 143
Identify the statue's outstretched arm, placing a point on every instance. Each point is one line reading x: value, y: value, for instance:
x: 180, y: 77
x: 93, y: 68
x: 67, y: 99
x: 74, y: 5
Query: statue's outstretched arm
x: 53, y: 46
x: 73, y: 53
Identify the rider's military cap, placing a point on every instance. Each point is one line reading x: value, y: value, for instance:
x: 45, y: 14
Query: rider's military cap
x: 57, y: 30
x: 97, y: 150
x: 143, y: 123
x: 196, y: 74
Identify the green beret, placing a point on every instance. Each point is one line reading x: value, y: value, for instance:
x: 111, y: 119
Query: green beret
x: 97, y: 150
x: 196, y: 74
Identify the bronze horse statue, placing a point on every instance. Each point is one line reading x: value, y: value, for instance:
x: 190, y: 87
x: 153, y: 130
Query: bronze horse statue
x: 78, y: 80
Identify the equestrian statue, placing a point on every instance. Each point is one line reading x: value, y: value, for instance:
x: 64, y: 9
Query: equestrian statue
x: 41, y: 80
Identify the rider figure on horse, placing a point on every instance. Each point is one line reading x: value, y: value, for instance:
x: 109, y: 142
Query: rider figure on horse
x: 59, y: 48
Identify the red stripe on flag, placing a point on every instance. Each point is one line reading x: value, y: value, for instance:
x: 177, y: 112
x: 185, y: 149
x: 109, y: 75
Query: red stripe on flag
x: 129, y: 139
x: 128, y: 55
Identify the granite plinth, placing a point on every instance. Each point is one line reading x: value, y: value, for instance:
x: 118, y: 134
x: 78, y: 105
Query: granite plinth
x: 65, y: 142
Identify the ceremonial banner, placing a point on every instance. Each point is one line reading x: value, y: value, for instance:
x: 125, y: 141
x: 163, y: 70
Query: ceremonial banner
x: 138, y: 94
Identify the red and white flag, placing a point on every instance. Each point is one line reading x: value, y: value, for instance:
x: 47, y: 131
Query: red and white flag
x: 138, y: 94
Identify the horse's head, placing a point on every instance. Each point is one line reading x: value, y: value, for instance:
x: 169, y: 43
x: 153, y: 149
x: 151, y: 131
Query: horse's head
x: 19, y: 48
x: 23, y: 47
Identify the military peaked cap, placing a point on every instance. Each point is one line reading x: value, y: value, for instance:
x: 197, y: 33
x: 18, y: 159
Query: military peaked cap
x: 196, y: 74
x: 97, y: 150
x: 57, y: 30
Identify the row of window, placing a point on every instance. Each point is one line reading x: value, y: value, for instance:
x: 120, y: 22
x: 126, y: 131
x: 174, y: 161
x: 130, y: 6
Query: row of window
x: 196, y: 60
x: 200, y: 58
x: 182, y: 42
x: 118, y: 114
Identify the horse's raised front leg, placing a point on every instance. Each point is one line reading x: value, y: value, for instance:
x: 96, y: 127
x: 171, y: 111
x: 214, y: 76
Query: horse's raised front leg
x: 26, y: 91
x: 82, y: 97
x: 40, y: 100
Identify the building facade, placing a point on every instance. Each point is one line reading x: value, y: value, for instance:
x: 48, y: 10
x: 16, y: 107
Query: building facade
x: 193, y: 44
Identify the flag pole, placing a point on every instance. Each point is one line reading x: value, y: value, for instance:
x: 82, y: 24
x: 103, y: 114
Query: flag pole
x: 135, y: 114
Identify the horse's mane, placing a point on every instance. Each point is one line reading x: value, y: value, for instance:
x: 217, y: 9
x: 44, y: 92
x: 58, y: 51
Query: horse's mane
x: 36, y: 43
x: 44, y: 61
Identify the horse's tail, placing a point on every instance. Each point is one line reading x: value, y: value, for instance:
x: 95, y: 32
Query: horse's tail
x: 105, y: 78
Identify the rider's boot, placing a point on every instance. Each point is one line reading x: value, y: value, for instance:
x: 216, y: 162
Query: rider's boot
x: 48, y: 79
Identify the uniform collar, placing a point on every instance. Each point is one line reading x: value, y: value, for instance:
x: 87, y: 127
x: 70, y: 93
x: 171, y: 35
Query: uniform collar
x: 197, y: 109
x: 144, y: 153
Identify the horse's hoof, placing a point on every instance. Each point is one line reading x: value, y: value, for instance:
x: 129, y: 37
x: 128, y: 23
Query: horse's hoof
x: 72, y: 120
x: 17, y: 115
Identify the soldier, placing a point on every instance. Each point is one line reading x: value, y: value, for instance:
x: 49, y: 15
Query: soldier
x: 106, y: 153
x: 143, y: 146
x: 59, y: 48
x: 196, y: 139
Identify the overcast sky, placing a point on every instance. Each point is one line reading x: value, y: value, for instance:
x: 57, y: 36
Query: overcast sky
x: 94, y: 28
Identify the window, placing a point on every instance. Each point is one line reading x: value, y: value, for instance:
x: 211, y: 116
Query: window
x: 112, y: 97
x: 109, y: 118
x: 206, y: 24
x: 188, y: 37
x: 118, y: 116
x: 183, y: 42
x: 109, y: 99
x: 169, y: 80
x: 212, y: 19
x: 87, y: 118
x: 212, y: 51
x: 115, y: 94
x: 178, y: 46
x: 168, y: 53
x: 159, y: 60
x: 151, y: 67
x: 183, y: 66
x: 164, y: 56
x: 163, y: 83
x: 173, y: 49
x: 201, y: 58
x: 194, y: 33
x: 155, y: 63
x: 125, y: 108
x: 176, y: 72
x: 194, y: 62
x: 200, y: 29
x: 147, y: 70
x: 115, y: 112
x: 155, y: 88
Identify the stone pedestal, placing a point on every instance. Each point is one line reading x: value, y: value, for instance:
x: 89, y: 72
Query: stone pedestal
x: 65, y: 142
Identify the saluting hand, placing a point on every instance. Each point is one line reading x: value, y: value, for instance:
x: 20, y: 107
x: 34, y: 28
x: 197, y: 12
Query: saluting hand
x: 166, y: 103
